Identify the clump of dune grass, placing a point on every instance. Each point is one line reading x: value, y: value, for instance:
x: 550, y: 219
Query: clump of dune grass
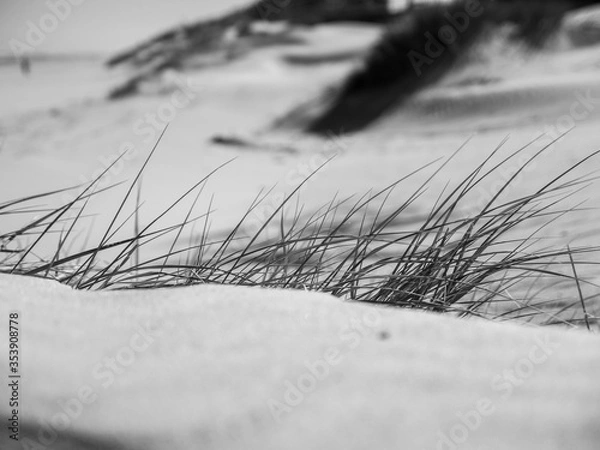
x: 417, y: 49
x: 352, y: 248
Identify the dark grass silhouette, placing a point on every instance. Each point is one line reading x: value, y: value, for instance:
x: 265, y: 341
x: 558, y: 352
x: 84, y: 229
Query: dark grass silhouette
x: 399, y: 65
x: 351, y: 248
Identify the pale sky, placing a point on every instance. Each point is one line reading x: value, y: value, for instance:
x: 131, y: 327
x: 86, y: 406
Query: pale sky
x: 104, y: 25
x: 101, y: 25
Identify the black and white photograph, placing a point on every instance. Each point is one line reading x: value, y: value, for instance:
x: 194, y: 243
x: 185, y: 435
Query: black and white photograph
x: 299, y: 224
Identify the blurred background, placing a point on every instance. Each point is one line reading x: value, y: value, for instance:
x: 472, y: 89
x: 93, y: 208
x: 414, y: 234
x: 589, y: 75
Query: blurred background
x: 103, y: 27
x: 273, y: 89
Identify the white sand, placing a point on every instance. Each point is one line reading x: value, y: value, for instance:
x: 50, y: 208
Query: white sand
x: 214, y: 365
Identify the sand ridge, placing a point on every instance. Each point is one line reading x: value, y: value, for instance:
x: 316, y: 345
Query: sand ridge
x: 231, y: 367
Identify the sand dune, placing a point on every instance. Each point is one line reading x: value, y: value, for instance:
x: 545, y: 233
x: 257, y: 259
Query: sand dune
x: 485, y: 54
x: 226, y: 367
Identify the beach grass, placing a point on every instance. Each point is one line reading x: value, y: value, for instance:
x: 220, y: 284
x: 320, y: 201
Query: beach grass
x: 352, y: 248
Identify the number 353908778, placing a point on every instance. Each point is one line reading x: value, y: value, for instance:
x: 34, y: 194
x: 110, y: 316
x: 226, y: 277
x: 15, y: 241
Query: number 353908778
x: 13, y: 347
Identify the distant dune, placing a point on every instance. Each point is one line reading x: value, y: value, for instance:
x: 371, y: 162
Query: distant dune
x: 411, y: 56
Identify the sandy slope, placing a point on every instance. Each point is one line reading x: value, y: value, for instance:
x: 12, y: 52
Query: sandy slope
x: 211, y: 367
